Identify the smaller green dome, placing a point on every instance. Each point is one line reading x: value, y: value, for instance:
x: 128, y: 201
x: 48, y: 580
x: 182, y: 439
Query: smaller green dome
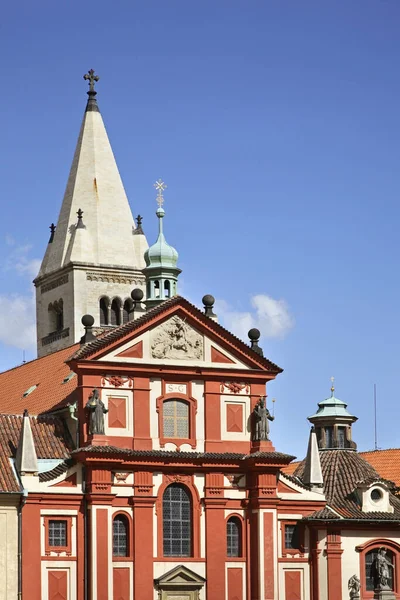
x: 161, y: 254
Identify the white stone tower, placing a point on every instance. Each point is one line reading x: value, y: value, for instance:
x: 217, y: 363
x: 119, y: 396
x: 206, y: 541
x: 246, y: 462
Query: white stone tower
x: 95, y: 255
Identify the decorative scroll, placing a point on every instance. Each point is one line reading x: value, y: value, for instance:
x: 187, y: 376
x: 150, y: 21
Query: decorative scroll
x: 116, y: 380
x: 235, y: 388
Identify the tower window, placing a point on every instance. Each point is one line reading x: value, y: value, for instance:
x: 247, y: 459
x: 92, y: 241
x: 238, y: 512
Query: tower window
x: 341, y: 437
x: 56, y: 316
x: 127, y: 311
x: 120, y: 536
x: 167, y: 289
x: 234, y: 537
x: 156, y: 289
x: 177, y: 521
x: 103, y: 311
x: 175, y: 419
x: 328, y: 437
x: 116, y: 312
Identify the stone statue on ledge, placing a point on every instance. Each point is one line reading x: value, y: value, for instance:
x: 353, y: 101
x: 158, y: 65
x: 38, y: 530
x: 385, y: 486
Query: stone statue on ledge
x: 354, y: 588
x: 261, y: 416
x: 97, y: 410
x: 381, y: 576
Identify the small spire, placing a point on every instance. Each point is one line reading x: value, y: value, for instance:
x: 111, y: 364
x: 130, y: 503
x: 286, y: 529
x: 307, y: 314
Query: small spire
x: 91, y: 103
x: 52, y: 231
x: 26, y: 459
x: 312, y: 469
x: 332, y: 386
x: 138, y: 230
x: 80, y: 224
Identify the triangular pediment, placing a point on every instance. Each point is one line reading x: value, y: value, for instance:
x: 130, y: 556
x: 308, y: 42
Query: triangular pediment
x: 180, y: 575
x: 175, y: 332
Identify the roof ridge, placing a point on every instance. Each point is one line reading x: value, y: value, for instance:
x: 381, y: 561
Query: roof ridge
x: 118, y: 332
x: 29, y: 362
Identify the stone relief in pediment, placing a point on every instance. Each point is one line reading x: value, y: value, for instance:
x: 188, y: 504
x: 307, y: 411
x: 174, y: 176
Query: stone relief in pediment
x: 175, y: 339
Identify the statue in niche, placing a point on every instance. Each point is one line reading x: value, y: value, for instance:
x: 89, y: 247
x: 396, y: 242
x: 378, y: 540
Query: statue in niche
x: 261, y: 416
x: 97, y: 410
x: 380, y: 570
x: 176, y: 340
x: 354, y: 587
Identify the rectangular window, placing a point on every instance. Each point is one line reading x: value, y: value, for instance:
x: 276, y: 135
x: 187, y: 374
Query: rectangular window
x: 328, y: 437
x: 57, y: 533
x: 176, y: 419
x: 291, y: 537
x: 341, y: 437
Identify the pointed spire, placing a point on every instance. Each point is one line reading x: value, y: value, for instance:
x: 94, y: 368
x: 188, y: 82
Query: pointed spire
x: 92, y: 102
x: 26, y: 459
x: 95, y: 187
x: 312, y: 470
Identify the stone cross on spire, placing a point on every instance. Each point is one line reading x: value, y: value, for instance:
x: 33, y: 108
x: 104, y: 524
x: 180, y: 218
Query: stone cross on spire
x: 160, y: 187
x: 91, y: 77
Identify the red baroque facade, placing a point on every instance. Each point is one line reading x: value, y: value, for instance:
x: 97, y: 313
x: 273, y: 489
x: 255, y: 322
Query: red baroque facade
x: 174, y: 500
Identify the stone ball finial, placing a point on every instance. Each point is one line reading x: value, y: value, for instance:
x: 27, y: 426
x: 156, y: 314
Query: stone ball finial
x: 137, y: 295
x: 87, y: 321
x: 208, y: 301
x: 254, y: 334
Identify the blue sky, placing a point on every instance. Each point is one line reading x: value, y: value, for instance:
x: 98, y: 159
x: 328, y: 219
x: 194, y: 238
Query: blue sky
x: 275, y: 125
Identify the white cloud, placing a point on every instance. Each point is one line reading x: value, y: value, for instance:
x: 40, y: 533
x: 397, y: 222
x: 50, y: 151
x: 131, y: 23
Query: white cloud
x: 17, y: 317
x: 272, y: 317
x: 17, y: 321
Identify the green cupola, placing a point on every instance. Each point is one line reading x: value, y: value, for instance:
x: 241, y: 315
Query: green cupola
x: 332, y: 423
x: 161, y: 259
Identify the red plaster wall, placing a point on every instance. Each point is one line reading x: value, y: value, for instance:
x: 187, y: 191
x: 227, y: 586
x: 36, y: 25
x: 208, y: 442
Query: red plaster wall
x: 121, y: 584
x: 58, y: 585
x: 143, y: 559
x: 141, y: 413
x: 212, y: 411
x: 268, y: 557
x: 215, y: 552
x: 102, y: 553
x: 31, y: 567
x: 235, y: 584
x: 292, y: 585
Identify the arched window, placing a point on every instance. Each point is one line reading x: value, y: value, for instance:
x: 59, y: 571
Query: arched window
x: 370, y: 568
x: 103, y: 311
x: 56, y: 316
x: 127, y: 311
x: 120, y: 536
x: 175, y: 419
x: 234, y: 537
x: 116, y: 312
x: 177, y: 521
x: 167, y: 289
x: 156, y: 289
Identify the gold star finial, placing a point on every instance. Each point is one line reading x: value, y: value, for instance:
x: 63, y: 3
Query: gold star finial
x: 160, y: 187
x: 332, y: 386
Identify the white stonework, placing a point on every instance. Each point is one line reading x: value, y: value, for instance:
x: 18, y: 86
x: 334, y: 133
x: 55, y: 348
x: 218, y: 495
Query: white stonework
x: 8, y: 548
x: 103, y: 258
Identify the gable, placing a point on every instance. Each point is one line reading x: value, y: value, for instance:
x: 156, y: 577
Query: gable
x: 178, y: 341
x: 188, y: 338
x: 180, y: 575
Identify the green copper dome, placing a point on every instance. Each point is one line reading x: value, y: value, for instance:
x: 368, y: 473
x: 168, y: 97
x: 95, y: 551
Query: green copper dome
x: 332, y: 407
x: 161, y: 254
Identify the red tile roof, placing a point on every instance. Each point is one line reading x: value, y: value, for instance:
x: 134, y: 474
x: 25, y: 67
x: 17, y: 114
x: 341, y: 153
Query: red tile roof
x: 385, y: 462
x: 342, y: 470
x: 50, y: 438
x: 48, y: 374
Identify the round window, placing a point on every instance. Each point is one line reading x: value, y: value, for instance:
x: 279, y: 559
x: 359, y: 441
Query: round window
x: 376, y: 495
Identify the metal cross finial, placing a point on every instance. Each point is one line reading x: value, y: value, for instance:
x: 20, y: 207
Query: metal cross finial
x: 160, y: 187
x: 92, y: 78
x: 80, y: 214
x: 333, y: 386
x: 139, y: 220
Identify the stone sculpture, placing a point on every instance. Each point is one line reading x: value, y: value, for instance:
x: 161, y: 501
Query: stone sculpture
x: 176, y: 340
x: 354, y: 587
x: 261, y: 417
x: 381, y: 575
x: 97, y: 410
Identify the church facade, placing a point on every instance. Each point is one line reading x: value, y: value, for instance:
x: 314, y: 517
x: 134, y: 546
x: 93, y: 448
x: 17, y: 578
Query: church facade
x: 135, y: 452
